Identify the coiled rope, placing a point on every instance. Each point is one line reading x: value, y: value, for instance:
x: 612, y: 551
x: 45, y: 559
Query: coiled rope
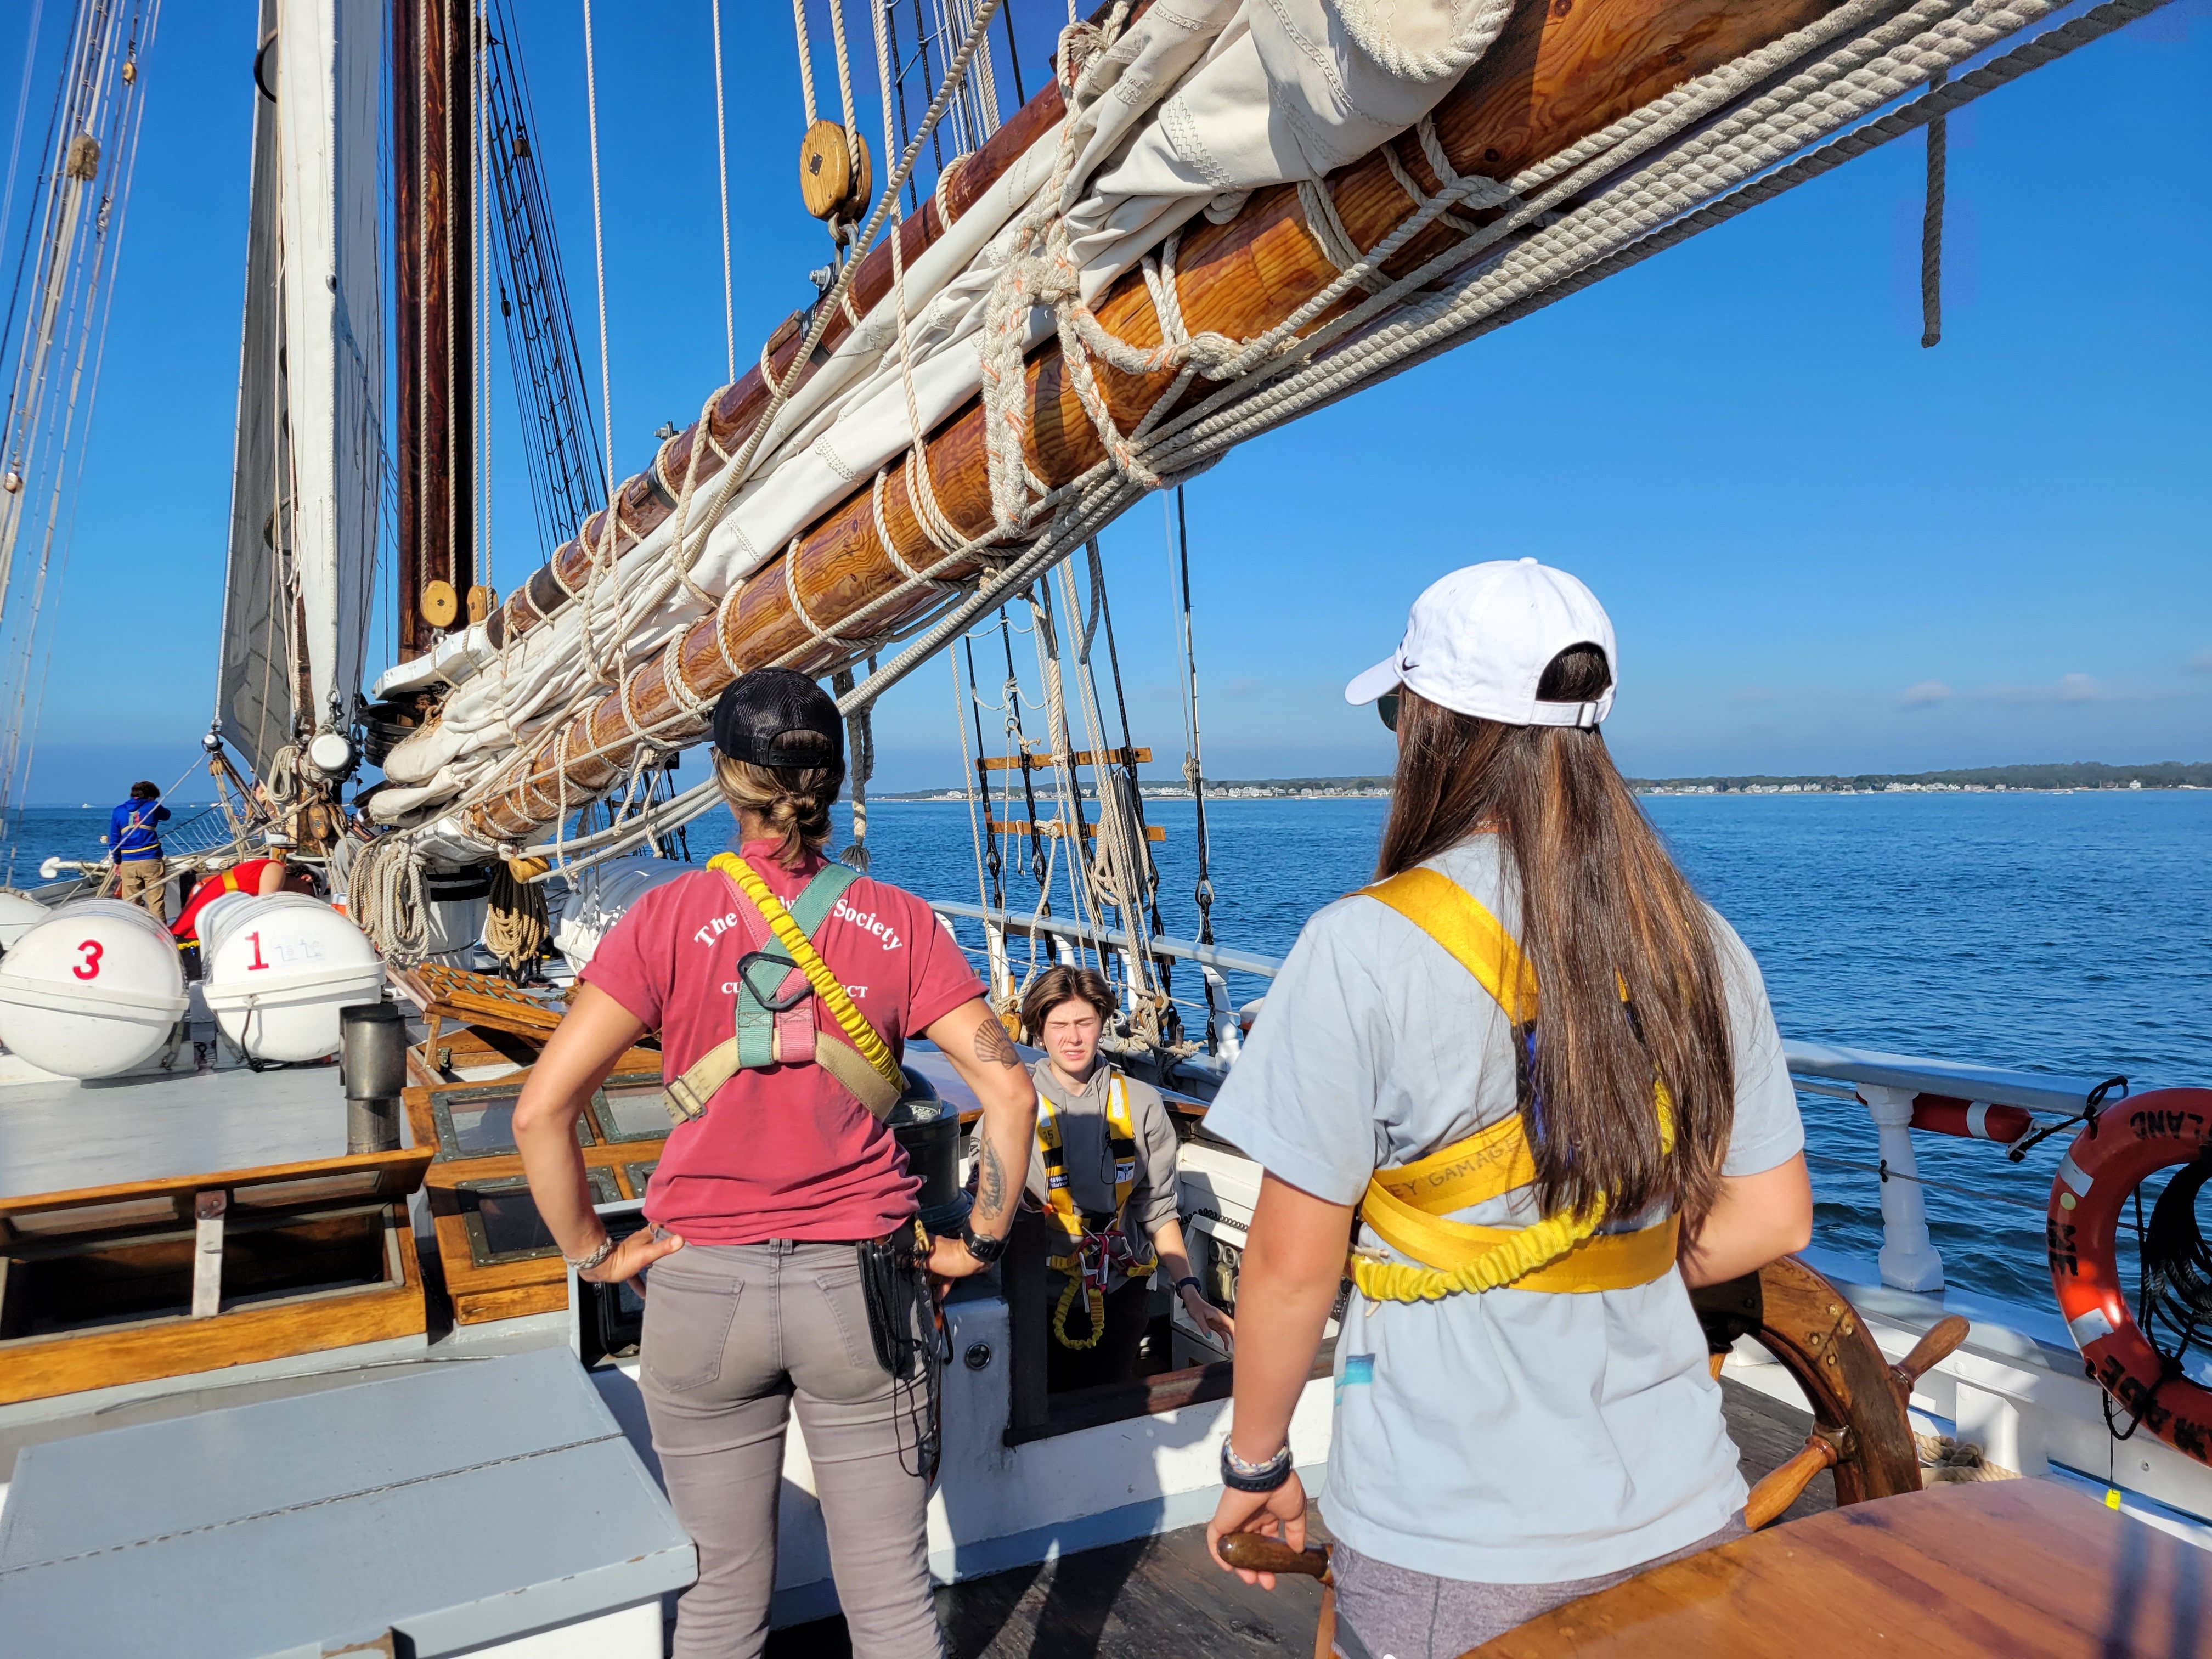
x: 515, y: 925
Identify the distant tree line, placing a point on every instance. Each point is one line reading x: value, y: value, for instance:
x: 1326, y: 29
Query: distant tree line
x: 2072, y: 775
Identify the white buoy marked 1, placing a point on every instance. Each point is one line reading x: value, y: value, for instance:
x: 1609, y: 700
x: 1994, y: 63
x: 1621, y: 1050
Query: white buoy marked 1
x: 276, y: 970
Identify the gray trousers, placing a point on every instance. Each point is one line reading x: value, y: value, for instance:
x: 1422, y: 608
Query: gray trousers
x: 1385, y: 1612
x: 735, y: 1336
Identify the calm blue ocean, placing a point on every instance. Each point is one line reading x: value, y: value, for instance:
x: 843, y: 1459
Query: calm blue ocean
x: 2062, y: 934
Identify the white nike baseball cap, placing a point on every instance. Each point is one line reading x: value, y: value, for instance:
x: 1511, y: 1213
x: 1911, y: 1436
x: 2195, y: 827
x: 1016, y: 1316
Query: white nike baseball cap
x: 1478, y: 641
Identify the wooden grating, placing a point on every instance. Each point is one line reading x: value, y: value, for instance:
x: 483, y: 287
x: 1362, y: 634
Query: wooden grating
x: 475, y: 999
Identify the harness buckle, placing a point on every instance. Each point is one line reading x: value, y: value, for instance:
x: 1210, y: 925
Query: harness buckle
x: 684, y: 1106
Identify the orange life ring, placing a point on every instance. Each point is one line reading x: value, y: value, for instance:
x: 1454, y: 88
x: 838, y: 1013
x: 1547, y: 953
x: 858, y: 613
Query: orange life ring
x: 2129, y: 1141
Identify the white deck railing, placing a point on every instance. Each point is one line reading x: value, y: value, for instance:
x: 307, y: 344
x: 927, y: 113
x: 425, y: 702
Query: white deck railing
x: 1887, y: 1085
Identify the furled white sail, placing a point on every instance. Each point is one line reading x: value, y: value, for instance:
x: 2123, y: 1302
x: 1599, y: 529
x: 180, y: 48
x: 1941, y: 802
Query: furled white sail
x: 304, y: 490
x: 328, y: 57
x: 254, y: 678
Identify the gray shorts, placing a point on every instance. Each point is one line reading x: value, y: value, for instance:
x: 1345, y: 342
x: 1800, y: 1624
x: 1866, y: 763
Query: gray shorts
x: 1385, y: 1612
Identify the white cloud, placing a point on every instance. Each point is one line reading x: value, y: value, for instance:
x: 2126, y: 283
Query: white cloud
x: 2078, y: 688
x: 1926, y: 693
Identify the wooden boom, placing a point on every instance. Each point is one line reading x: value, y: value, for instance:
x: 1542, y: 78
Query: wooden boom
x: 647, y: 499
x: 1561, y: 70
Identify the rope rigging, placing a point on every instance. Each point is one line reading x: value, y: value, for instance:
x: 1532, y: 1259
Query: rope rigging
x: 990, y: 850
x: 53, y: 340
x: 1193, y: 764
x: 1589, y: 211
x: 722, y: 171
x: 599, y: 266
x: 567, y: 466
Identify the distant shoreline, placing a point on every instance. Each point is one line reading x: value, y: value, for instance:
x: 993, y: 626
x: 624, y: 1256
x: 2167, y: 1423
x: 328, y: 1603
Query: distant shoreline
x: 2058, y: 778
x: 2054, y: 779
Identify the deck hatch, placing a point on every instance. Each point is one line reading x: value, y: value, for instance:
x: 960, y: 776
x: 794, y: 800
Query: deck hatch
x: 629, y: 1108
x: 502, y: 1220
x: 480, y: 1123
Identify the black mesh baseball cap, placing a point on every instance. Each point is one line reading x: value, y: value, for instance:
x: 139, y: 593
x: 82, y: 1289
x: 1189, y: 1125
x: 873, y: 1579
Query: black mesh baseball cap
x: 778, y: 717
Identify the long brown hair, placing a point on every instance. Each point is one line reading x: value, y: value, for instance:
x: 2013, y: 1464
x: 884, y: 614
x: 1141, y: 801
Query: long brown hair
x: 793, y: 800
x: 1604, y: 917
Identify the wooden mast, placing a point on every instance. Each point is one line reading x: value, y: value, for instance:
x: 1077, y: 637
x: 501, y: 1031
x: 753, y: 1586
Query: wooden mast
x: 1558, y: 73
x: 433, y: 257
x: 407, y: 316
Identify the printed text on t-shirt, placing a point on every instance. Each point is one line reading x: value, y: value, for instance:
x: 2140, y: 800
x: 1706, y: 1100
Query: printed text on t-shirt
x: 866, y: 922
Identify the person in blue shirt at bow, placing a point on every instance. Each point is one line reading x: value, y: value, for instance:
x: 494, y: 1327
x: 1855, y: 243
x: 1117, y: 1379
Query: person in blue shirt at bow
x: 134, y: 841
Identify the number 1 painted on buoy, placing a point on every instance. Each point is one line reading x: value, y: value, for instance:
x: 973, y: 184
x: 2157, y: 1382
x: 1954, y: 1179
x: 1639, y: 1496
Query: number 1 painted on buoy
x: 256, y: 962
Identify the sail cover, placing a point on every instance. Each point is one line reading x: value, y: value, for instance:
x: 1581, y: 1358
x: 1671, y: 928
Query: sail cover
x: 305, y: 486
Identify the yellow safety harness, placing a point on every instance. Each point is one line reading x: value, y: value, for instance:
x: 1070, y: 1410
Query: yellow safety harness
x: 1094, y: 1251
x: 1405, y: 1205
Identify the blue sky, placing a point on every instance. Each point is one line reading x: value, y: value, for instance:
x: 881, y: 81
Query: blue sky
x: 1822, y: 546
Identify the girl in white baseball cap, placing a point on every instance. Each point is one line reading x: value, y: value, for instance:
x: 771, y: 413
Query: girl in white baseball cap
x: 1524, y: 1408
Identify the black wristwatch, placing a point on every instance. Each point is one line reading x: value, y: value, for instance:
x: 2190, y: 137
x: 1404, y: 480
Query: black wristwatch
x: 985, y: 1249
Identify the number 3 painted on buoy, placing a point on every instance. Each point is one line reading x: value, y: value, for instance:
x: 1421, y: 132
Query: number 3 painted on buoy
x: 89, y: 968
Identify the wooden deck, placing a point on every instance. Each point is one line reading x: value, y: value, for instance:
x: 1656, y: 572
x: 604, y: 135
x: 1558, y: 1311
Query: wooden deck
x: 1153, y: 1597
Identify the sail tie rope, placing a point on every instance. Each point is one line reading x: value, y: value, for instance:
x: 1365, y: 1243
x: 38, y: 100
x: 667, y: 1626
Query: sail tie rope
x: 1040, y: 274
x: 1931, y: 228
x: 791, y: 586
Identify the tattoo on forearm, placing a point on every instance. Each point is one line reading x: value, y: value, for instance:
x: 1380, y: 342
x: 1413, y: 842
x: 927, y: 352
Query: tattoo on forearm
x: 994, y: 1046
x: 990, y: 1181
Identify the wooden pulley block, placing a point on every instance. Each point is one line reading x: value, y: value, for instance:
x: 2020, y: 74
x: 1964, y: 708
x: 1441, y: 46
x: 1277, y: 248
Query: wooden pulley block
x: 440, y: 603
x: 481, y: 601
x: 835, y: 179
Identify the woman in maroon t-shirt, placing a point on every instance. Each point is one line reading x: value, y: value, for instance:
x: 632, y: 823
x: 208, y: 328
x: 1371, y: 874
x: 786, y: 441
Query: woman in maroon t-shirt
x: 766, y: 1208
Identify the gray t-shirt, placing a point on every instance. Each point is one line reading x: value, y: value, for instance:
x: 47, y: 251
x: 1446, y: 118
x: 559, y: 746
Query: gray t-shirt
x: 1087, y: 1157
x: 1513, y: 1437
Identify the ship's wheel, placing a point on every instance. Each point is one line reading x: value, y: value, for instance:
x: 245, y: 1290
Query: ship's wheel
x: 1858, y: 1399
